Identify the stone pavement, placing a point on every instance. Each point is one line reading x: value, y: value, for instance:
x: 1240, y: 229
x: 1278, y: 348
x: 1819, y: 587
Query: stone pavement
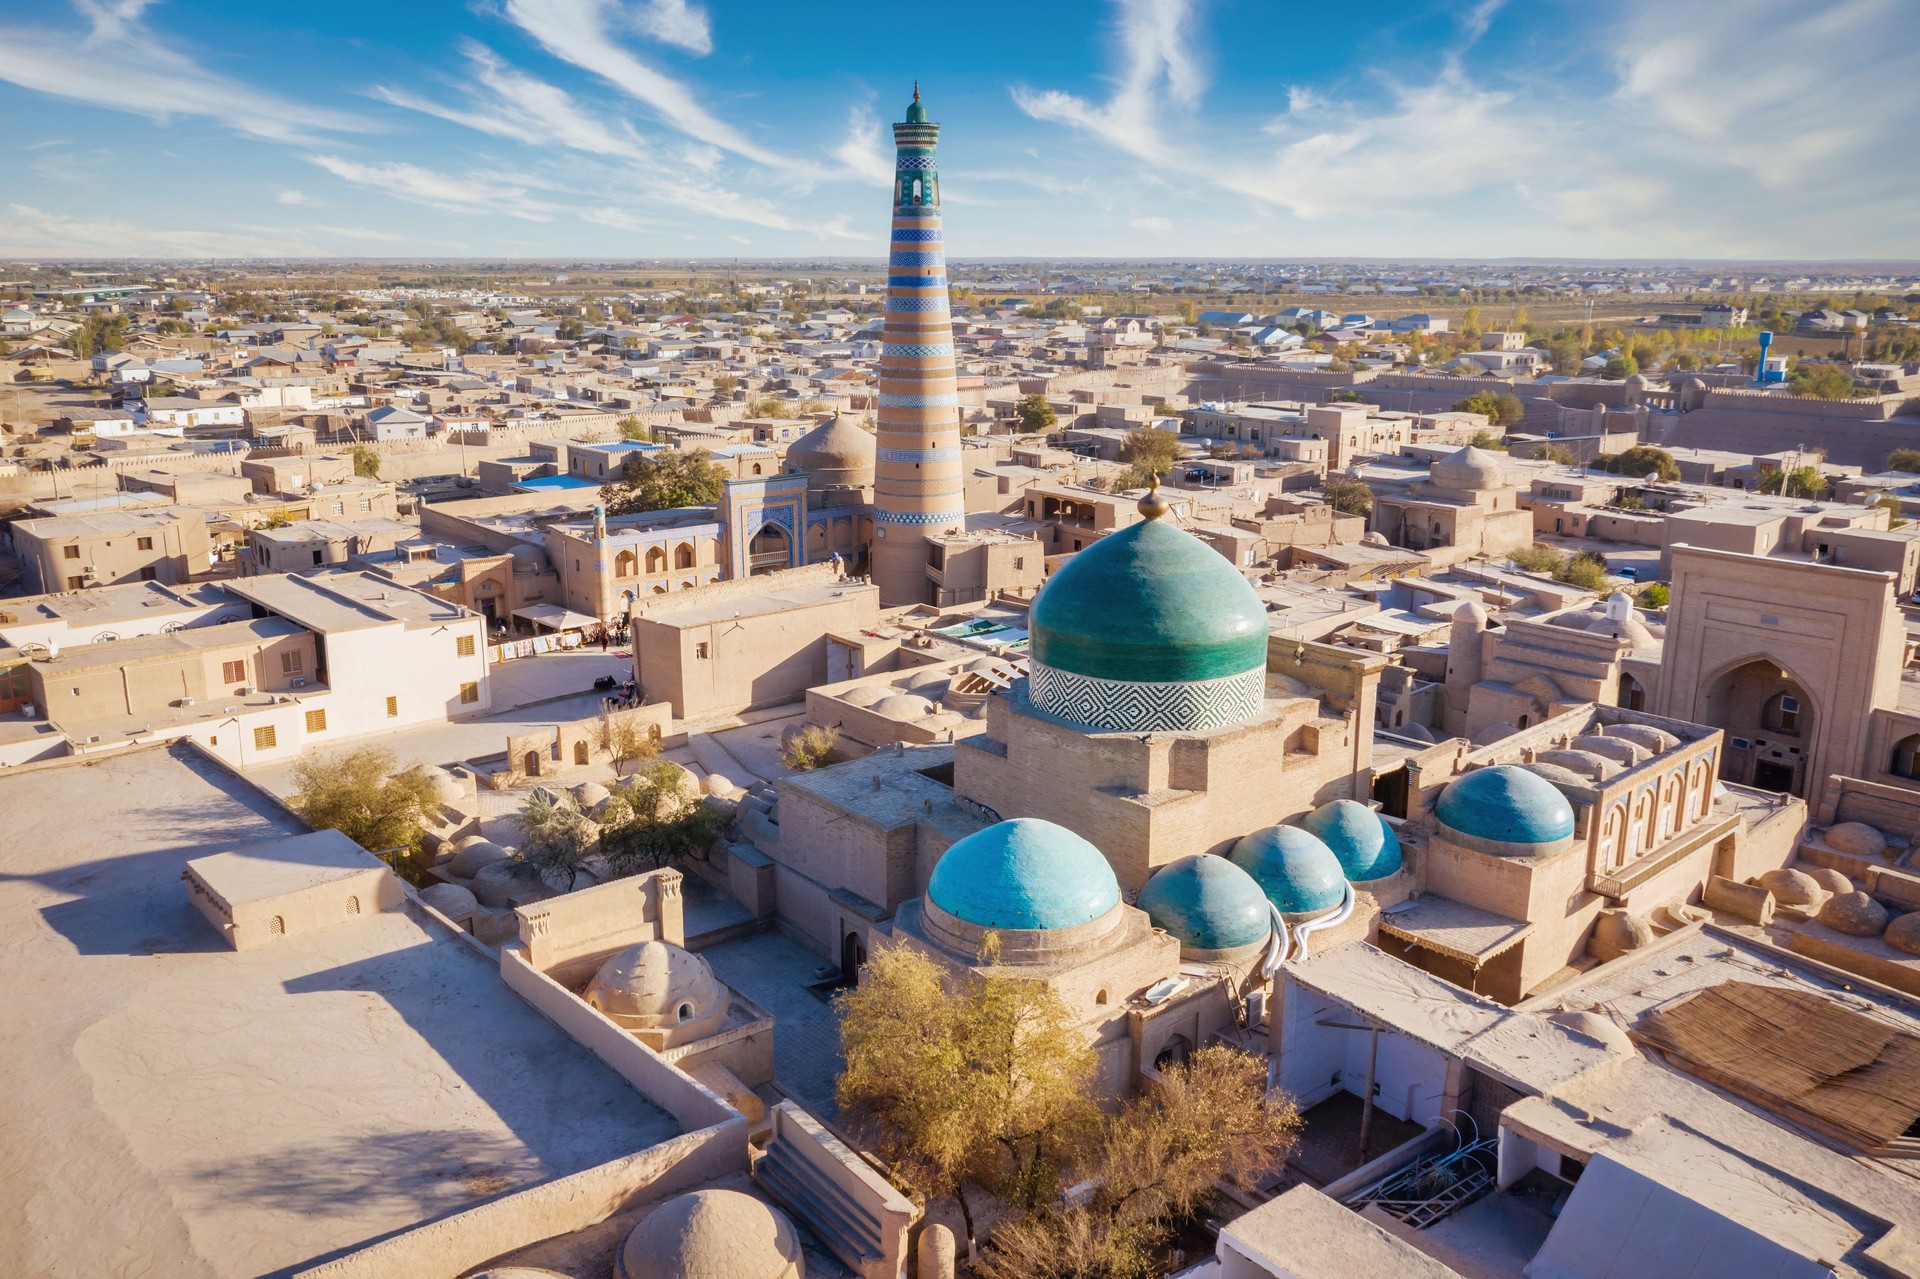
x: 774, y: 972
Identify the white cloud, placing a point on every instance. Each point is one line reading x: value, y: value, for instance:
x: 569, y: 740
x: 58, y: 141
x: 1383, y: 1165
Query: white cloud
x: 27, y: 231
x: 508, y: 103
x: 578, y: 31
x: 863, y: 152
x: 1158, y: 67
x: 122, y: 65
x: 475, y: 193
x: 288, y: 195
x: 1154, y: 225
x: 675, y: 22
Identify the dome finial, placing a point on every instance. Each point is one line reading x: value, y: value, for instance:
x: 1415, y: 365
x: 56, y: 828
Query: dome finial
x: 1153, y: 506
x: 916, y: 91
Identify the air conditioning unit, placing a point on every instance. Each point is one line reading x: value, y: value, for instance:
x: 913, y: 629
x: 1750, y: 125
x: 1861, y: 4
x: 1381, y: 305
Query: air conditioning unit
x: 245, y: 690
x: 301, y: 682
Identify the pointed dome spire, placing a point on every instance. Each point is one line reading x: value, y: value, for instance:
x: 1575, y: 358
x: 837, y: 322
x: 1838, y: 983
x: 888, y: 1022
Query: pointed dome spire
x: 916, y: 110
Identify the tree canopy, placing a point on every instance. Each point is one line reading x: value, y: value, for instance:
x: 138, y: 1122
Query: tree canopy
x: 1642, y: 460
x: 1823, y: 381
x: 664, y: 481
x: 1907, y: 460
x: 1036, y: 415
x: 1347, y: 495
x: 365, y: 795
x: 1502, y: 408
x: 366, y: 461
x: 984, y: 1080
x: 656, y: 821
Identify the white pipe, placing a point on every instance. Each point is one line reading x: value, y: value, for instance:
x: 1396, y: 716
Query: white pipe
x: 1334, y: 920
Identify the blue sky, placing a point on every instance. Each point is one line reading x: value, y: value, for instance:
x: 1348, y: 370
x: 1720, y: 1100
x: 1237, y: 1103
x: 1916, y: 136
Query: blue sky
x: 1168, y: 128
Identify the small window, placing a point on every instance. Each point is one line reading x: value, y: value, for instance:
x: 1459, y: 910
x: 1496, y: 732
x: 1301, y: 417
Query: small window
x: 292, y: 662
x: 463, y: 646
x: 75, y: 583
x: 339, y: 508
x: 1019, y: 562
x: 366, y: 504
x: 685, y: 1010
x: 233, y: 672
x: 144, y: 543
x: 277, y: 926
x: 148, y: 574
x: 264, y: 738
x: 469, y: 693
x: 71, y: 552
x: 316, y: 721
x: 700, y: 649
x: 353, y: 905
x: 393, y: 708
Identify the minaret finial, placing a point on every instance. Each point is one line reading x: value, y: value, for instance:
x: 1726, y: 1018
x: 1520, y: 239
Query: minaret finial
x: 1153, y: 506
x: 916, y: 91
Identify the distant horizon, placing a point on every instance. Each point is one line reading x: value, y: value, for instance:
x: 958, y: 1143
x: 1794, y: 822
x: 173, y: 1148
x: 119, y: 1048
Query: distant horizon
x: 877, y: 261
x: 1756, y: 131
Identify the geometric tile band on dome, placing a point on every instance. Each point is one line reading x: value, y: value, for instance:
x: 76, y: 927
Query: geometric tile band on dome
x: 1124, y: 706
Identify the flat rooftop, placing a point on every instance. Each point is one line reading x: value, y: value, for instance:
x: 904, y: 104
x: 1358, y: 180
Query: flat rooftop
x: 102, y: 604
x: 176, y: 1105
x: 345, y: 600
x: 701, y: 608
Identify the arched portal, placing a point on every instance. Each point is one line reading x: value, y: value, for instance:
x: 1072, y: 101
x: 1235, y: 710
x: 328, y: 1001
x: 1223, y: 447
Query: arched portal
x: 770, y: 550
x: 1769, y: 721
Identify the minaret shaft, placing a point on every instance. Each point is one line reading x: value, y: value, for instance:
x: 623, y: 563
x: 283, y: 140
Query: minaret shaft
x: 917, y: 479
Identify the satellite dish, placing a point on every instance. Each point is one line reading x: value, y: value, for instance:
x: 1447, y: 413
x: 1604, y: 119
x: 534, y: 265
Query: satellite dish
x: 1653, y: 477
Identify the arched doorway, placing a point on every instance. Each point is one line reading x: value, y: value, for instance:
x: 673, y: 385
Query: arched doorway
x: 853, y: 953
x: 1906, y: 757
x: 1176, y: 1052
x: 1633, y: 695
x: 770, y: 550
x: 532, y: 762
x: 1769, y: 721
x: 580, y: 751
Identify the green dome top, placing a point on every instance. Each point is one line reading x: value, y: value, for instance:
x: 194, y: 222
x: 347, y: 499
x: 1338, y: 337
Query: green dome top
x: 916, y: 110
x: 1149, y: 604
x: 1208, y: 903
x: 1024, y: 874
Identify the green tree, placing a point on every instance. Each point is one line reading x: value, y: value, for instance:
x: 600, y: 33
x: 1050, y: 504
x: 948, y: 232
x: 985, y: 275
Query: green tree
x: 1538, y: 559
x: 1907, y: 460
x: 97, y: 333
x: 1501, y: 408
x: 984, y: 1079
x: 664, y: 481
x: 658, y: 820
x: 1653, y: 595
x: 769, y: 406
x: 1155, y: 1166
x: 627, y: 742
x: 559, y: 837
x: 632, y: 428
x: 809, y: 748
x: 1347, y: 495
x: 1823, y: 381
x: 366, y: 461
x: 1036, y: 415
x: 1895, y: 512
x: 1642, y: 460
x: 1150, y: 449
x: 365, y: 795
x: 1558, y: 453
x: 726, y: 384
x: 1488, y: 440
x: 1620, y: 367
x: 1585, y: 570
x: 1801, y: 481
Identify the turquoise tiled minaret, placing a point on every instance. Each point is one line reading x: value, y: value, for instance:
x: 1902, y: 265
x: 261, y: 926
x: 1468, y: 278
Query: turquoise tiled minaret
x: 917, y: 485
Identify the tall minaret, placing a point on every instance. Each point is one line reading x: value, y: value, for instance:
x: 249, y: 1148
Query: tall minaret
x: 917, y: 487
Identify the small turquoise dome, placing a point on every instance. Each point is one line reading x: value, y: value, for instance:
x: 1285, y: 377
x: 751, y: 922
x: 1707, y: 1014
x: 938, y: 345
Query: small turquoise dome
x: 1149, y: 604
x: 1297, y: 872
x: 1508, y: 805
x: 1024, y: 874
x: 1359, y: 837
x: 1208, y: 903
x: 916, y: 110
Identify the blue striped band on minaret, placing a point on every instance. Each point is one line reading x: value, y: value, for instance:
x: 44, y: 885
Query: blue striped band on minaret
x: 917, y: 476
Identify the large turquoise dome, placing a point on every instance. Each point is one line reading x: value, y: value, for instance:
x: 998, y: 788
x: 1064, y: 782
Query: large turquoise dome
x: 1149, y: 629
x: 1506, y: 805
x: 1365, y: 845
x: 1297, y: 872
x: 1024, y: 874
x: 1208, y: 903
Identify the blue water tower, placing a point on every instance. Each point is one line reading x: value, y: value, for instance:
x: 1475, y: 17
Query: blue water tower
x: 1772, y: 369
